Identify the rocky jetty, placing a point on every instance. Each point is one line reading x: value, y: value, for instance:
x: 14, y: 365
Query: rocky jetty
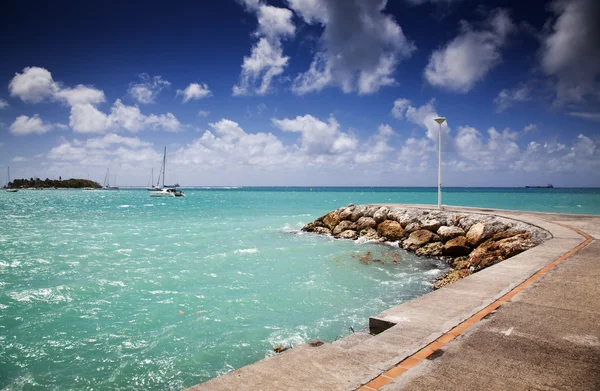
x: 470, y: 242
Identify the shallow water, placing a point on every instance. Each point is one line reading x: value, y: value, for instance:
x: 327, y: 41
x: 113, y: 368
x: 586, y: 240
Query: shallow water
x: 117, y: 290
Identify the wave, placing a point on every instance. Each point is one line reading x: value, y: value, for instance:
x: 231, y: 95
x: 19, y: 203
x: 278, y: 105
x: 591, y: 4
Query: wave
x: 246, y: 251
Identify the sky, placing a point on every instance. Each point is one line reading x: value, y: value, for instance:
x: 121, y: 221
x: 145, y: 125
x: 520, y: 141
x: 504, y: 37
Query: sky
x: 302, y: 92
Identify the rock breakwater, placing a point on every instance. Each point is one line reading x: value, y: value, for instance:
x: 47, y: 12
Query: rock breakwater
x: 470, y: 242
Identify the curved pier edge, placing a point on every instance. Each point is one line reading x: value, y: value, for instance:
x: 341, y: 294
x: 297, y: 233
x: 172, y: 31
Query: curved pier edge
x: 413, y: 330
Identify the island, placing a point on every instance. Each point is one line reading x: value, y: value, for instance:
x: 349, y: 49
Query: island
x: 37, y: 183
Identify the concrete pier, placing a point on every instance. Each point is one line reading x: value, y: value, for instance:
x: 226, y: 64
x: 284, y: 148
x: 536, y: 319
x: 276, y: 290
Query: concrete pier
x: 529, y: 322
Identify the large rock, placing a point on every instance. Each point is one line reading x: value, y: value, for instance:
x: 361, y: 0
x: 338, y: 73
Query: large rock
x: 348, y: 234
x: 430, y: 249
x: 343, y: 226
x: 358, y: 212
x: 322, y: 230
x: 457, y: 247
x: 309, y: 227
x: 417, y: 239
x: 391, y: 230
x: 369, y: 234
x: 370, y: 210
x: 475, y: 234
x: 347, y: 212
x: 447, y: 233
x: 381, y: 214
x: 331, y: 220
x: 366, y: 222
x: 430, y: 224
x: 412, y: 227
x: 492, y: 251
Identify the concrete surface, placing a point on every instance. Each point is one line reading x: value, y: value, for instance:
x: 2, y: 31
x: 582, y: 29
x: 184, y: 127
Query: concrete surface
x: 546, y: 337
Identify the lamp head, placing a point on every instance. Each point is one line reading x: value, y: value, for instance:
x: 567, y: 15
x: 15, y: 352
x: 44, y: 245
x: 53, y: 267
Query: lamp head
x: 440, y: 120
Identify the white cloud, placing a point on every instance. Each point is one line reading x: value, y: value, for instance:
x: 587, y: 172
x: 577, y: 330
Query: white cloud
x: 571, y: 49
x: 595, y: 116
x: 33, y: 85
x: 376, y: 148
x: 318, y: 137
x: 112, y: 139
x: 499, y: 151
x: 266, y: 60
x: 80, y: 95
x: 361, y: 46
x: 467, y: 59
x: 131, y: 119
x: 25, y: 125
x: 203, y: 113
x: 194, y: 91
x: 18, y: 159
x: 147, y: 89
x: 3, y: 104
x: 85, y: 118
x: 530, y: 128
x: 508, y: 98
x: 423, y: 116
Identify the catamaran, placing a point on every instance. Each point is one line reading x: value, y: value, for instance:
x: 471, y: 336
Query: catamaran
x: 7, y: 183
x: 160, y: 190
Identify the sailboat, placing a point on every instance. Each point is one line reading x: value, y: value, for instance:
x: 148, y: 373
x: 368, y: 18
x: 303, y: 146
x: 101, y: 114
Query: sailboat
x: 8, y: 183
x: 107, y: 185
x: 160, y: 190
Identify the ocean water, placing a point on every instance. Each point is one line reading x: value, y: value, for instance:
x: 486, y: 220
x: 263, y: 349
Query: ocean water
x: 110, y: 290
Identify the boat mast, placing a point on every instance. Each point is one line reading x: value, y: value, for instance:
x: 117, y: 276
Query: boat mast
x: 164, y: 166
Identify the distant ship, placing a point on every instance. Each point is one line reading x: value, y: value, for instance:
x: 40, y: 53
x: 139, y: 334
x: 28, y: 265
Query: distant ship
x: 548, y: 186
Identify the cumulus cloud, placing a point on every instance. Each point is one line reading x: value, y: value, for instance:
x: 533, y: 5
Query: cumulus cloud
x: 36, y: 84
x: 571, y: 49
x: 19, y: 159
x: 147, y: 89
x: 316, y: 136
x: 501, y: 147
x: 509, y: 97
x: 25, y: 125
x: 194, y: 91
x: 423, y: 116
x: 266, y: 60
x: 203, y: 113
x: 467, y: 59
x: 376, y: 148
x: 3, y: 104
x: 361, y: 46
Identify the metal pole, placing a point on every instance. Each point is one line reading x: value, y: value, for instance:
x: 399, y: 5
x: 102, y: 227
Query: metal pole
x: 440, y: 169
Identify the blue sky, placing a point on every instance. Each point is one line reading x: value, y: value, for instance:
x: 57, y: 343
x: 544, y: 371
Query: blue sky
x: 303, y: 92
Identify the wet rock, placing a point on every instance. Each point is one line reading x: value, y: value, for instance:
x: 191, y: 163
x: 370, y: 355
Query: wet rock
x: 369, y: 234
x: 309, y: 227
x: 322, y: 230
x: 457, y: 247
x: 366, y: 222
x: 381, y: 214
x: 447, y: 233
x: 316, y: 343
x: 430, y: 224
x: 430, y: 249
x: 348, y: 234
x: 331, y: 220
x: 391, y: 230
x: 417, y: 239
x: 344, y: 225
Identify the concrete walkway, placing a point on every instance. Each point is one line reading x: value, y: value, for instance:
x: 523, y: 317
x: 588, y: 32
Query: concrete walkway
x: 530, y: 322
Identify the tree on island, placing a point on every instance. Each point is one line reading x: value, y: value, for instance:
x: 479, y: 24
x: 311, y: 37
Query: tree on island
x: 73, y: 183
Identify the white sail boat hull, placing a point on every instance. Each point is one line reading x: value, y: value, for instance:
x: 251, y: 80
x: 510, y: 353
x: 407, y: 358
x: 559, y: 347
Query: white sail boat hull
x: 164, y: 191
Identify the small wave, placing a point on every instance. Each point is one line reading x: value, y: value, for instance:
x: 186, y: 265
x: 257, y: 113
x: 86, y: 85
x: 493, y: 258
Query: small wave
x: 148, y: 204
x: 246, y: 251
x: 124, y: 206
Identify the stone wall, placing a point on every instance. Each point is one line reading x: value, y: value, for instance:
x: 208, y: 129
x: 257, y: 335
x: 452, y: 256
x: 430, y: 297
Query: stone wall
x: 470, y: 242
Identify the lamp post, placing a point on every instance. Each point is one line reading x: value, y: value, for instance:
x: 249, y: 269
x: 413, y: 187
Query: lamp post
x: 440, y: 121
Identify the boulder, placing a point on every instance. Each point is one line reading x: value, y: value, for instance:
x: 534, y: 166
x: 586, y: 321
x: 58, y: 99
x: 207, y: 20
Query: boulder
x: 447, y: 233
x: 309, y: 227
x: 366, y: 222
x: 381, y: 214
x: 344, y: 225
x: 369, y: 234
x: 492, y: 252
x: 322, y: 230
x: 417, y: 239
x: 348, y: 234
x: 346, y: 213
x: 457, y: 247
x: 475, y: 234
x: 331, y: 220
x: 391, y: 230
x: 370, y: 210
x: 430, y: 224
x: 409, y: 216
x: 358, y: 212
x: 430, y: 249
x: 412, y: 227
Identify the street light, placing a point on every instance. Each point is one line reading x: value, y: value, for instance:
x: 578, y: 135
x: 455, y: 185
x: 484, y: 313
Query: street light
x: 440, y: 121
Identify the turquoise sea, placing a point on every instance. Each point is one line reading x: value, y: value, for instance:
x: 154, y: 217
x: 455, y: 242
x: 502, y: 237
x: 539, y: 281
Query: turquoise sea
x: 114, y: 290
